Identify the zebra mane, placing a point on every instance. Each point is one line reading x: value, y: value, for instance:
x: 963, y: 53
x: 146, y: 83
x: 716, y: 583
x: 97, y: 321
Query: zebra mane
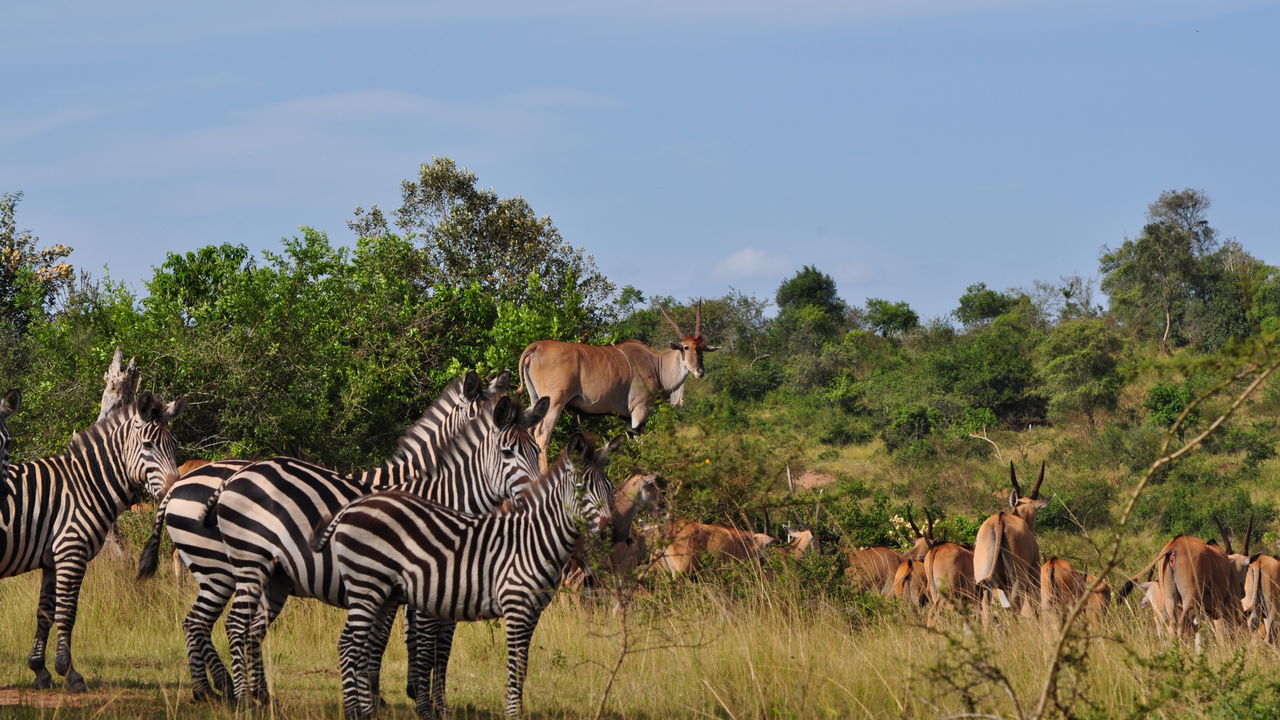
x: 543, y: 486
x: 82, y: 440
x: 451, y: 395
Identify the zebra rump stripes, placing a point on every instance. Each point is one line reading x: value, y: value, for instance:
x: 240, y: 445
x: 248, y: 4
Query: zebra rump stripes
x: 55, y: 511
x: 453, y: 566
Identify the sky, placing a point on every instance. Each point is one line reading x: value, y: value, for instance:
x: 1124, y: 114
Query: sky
x: 908, y: 148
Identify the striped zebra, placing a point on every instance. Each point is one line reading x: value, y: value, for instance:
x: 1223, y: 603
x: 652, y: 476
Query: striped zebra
x: 448, y: 565
x: 11, y: 403
x: 55, y: 512
x: 201, y: 546
x: 268, y: 512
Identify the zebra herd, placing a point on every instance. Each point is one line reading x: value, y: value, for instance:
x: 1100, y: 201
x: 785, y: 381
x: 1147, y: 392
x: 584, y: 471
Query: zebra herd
x: 458, y: 525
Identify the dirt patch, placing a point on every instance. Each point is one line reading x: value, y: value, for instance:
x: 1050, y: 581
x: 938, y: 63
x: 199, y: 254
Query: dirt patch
x: 55, y: 698
x: 811, y: 480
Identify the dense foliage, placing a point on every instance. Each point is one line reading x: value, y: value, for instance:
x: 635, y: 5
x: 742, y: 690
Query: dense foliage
x: 326, y: 351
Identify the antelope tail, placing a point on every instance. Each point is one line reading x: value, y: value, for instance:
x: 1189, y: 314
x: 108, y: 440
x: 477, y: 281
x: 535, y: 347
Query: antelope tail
x: 149, y: 558
x: 984, y: 563
x: 526, y: 382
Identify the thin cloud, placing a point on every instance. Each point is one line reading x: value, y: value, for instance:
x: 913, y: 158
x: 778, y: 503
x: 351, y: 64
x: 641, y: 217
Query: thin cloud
x: 748, y: 264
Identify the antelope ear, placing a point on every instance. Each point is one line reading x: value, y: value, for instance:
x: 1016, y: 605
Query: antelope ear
x: 504, y: 412
x: 11, y: 404
x: 1254, y: 557
x: 710, y: 348
x: 471, y: 385
x: 602, y: 455
x: 173, y: 409
x: 536, y: 412
x: 676, y: 346
x: 1013, y: 498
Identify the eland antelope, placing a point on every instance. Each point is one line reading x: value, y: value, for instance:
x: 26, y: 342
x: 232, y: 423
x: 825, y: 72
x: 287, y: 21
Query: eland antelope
x: 1006, y: 554
x: 623, y: 379
x: 1061, y: 585
x: 948, y: 571
x: 872, y: 569
x: 1193, y: 578
x: 1261, y: 602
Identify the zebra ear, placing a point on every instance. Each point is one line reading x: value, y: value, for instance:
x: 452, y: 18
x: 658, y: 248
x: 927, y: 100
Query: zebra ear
x: 471, y: 385
x: 505, y: 412
x: 534, y: 414
x: 578, y: 449
x: 501, y: 383
x: 147, y: 407
x: 11, y: 404
x: 173, y: 409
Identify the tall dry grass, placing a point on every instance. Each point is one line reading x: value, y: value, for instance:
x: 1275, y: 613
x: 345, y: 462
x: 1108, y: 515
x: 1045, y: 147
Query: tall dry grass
x: 763, y: 648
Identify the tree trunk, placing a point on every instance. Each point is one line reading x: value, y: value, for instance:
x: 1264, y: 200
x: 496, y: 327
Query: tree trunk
x: 121, y: 387
x: 1168, y: 324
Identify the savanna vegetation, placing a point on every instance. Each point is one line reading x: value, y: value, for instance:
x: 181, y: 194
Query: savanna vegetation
x: 836, y: 415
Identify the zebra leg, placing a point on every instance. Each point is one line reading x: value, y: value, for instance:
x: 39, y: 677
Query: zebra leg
x: 276, y: 594
x: 378, y: 639
x: 44, y: 620
x: 197, y: 627
x: 441, y: 647
x: 353, y: 651
x: 520, y: 625
x: 70, y: 574
x: 428, y: 673
x: 411, y: 642
x: 244, y: 611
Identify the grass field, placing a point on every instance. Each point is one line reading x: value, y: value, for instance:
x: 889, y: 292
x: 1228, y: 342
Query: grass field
x: 771, y: 651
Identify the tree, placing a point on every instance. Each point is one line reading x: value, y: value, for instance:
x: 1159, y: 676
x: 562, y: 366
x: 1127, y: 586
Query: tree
x: 811, y: 287
x: 890, y: 318
x: 1152, y: 278
x: 1080, y: 368
x: 980, y: 304
x: 30, y: 276
x: 474, y: 237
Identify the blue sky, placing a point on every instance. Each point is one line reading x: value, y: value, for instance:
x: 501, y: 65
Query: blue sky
x: 907, y: 147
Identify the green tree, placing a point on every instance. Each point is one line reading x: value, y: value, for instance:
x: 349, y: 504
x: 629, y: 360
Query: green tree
x: 890, y: 318
x: 30, y: 276
x: 1152, y: 279
x: 1080, y: 368
x: 472, y: 236
x: 810, y: 287
x: 979, y: 304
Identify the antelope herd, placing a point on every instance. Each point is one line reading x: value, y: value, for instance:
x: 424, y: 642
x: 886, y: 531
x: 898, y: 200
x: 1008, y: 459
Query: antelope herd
x: 468, y: 520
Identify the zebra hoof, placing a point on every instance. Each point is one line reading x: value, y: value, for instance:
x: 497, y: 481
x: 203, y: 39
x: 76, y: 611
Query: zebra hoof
x: 43, y: 680
x: 75, y: 683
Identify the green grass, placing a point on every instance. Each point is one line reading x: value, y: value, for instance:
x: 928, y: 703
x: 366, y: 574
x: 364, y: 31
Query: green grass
x: 769, y: 649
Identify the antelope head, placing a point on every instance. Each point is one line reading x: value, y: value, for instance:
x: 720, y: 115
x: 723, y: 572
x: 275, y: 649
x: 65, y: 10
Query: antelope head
x: 1239, y: 562
x: 1026, y: 507
x: 924, y: 538
x: 692, y: 346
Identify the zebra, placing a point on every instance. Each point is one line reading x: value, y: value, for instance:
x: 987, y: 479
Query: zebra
x: 201, y: 546
x: 268, y: 511
x: 393, y: 546
x: 55, y: 512
x: 11, y: 403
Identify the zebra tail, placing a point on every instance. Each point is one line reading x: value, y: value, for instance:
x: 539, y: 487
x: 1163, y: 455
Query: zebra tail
x: 324, y: 531
x: 149, y: 558
x: 210, y: 518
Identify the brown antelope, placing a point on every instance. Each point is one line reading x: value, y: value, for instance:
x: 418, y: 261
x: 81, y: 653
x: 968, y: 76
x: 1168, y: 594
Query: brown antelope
x: 694, y: 544
x: 872, y: 569
x: 1006, y: 554
x: 948, y: 569
x: 1061, y: 585
x: 800, y: 543
x: 624, y: 378
x: 1194, y: 578
x: 1261, y: 602
x: 924, y: 538
x: 630, y: 549
x: 909, y: 583
x: 1239, y: 562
